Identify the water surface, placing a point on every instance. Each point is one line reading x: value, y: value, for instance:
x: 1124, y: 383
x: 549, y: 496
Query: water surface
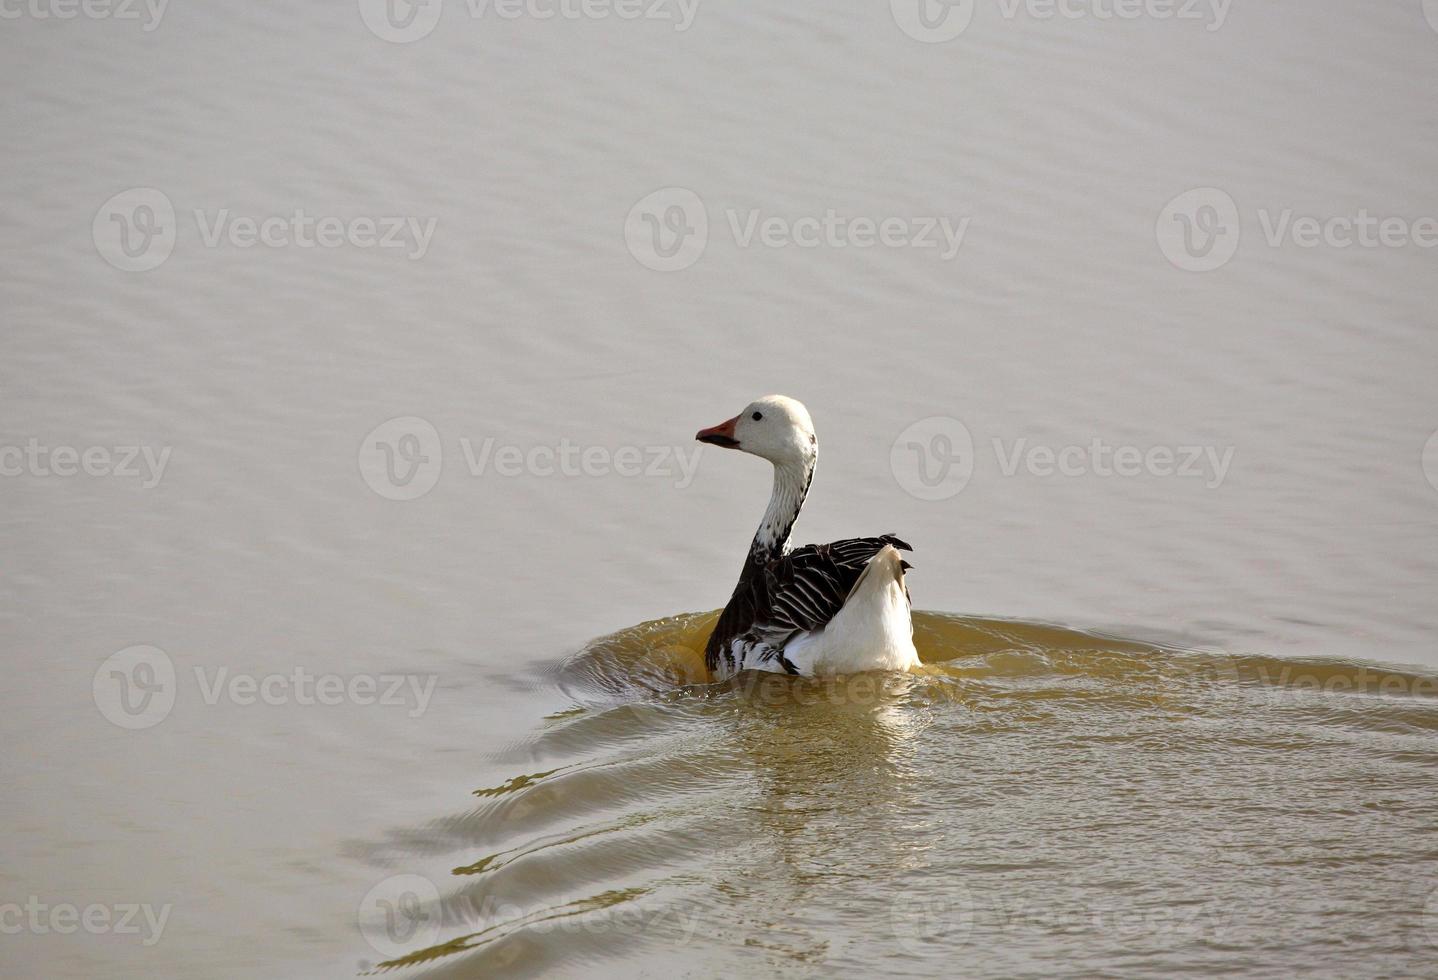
x: 1033, y: 800
x: 1078, y: 795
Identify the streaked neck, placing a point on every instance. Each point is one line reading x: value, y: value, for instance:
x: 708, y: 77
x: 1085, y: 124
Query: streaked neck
x: 791, y: 485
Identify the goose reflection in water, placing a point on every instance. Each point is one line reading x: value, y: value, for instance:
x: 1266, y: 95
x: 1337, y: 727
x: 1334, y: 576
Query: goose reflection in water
x: 771, y: 822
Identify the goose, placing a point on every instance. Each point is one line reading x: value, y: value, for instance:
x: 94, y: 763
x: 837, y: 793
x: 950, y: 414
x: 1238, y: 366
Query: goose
x: 822, y: 609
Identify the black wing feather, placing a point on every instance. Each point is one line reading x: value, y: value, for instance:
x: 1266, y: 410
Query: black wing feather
x: 797, y: 593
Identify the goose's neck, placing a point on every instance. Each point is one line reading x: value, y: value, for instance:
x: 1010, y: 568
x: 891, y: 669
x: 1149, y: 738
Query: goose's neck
x: 791, y: 486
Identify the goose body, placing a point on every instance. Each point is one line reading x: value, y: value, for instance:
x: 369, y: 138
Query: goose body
x: 821, y: 609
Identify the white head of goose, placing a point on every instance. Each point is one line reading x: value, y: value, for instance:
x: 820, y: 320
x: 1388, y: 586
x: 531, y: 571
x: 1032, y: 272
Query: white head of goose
x: 833, y: 608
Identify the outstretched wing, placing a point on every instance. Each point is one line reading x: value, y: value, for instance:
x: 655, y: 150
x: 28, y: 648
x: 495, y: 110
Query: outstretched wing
x: 795, y: 594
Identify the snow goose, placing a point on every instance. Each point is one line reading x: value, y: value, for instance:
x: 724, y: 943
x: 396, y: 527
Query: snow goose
x: 821, y: 609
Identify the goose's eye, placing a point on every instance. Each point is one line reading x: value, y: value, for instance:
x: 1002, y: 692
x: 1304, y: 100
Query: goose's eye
x: 757, y: 416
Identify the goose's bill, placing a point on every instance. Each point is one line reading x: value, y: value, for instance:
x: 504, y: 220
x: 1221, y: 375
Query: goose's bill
x: 720, y: 435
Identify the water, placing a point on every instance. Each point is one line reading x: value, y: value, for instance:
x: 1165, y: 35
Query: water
x: 1241, y: 784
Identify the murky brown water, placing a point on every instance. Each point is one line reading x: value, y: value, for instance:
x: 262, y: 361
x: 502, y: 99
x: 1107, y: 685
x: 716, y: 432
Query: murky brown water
x: 1247, y: 789
x: 1035, y: 800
